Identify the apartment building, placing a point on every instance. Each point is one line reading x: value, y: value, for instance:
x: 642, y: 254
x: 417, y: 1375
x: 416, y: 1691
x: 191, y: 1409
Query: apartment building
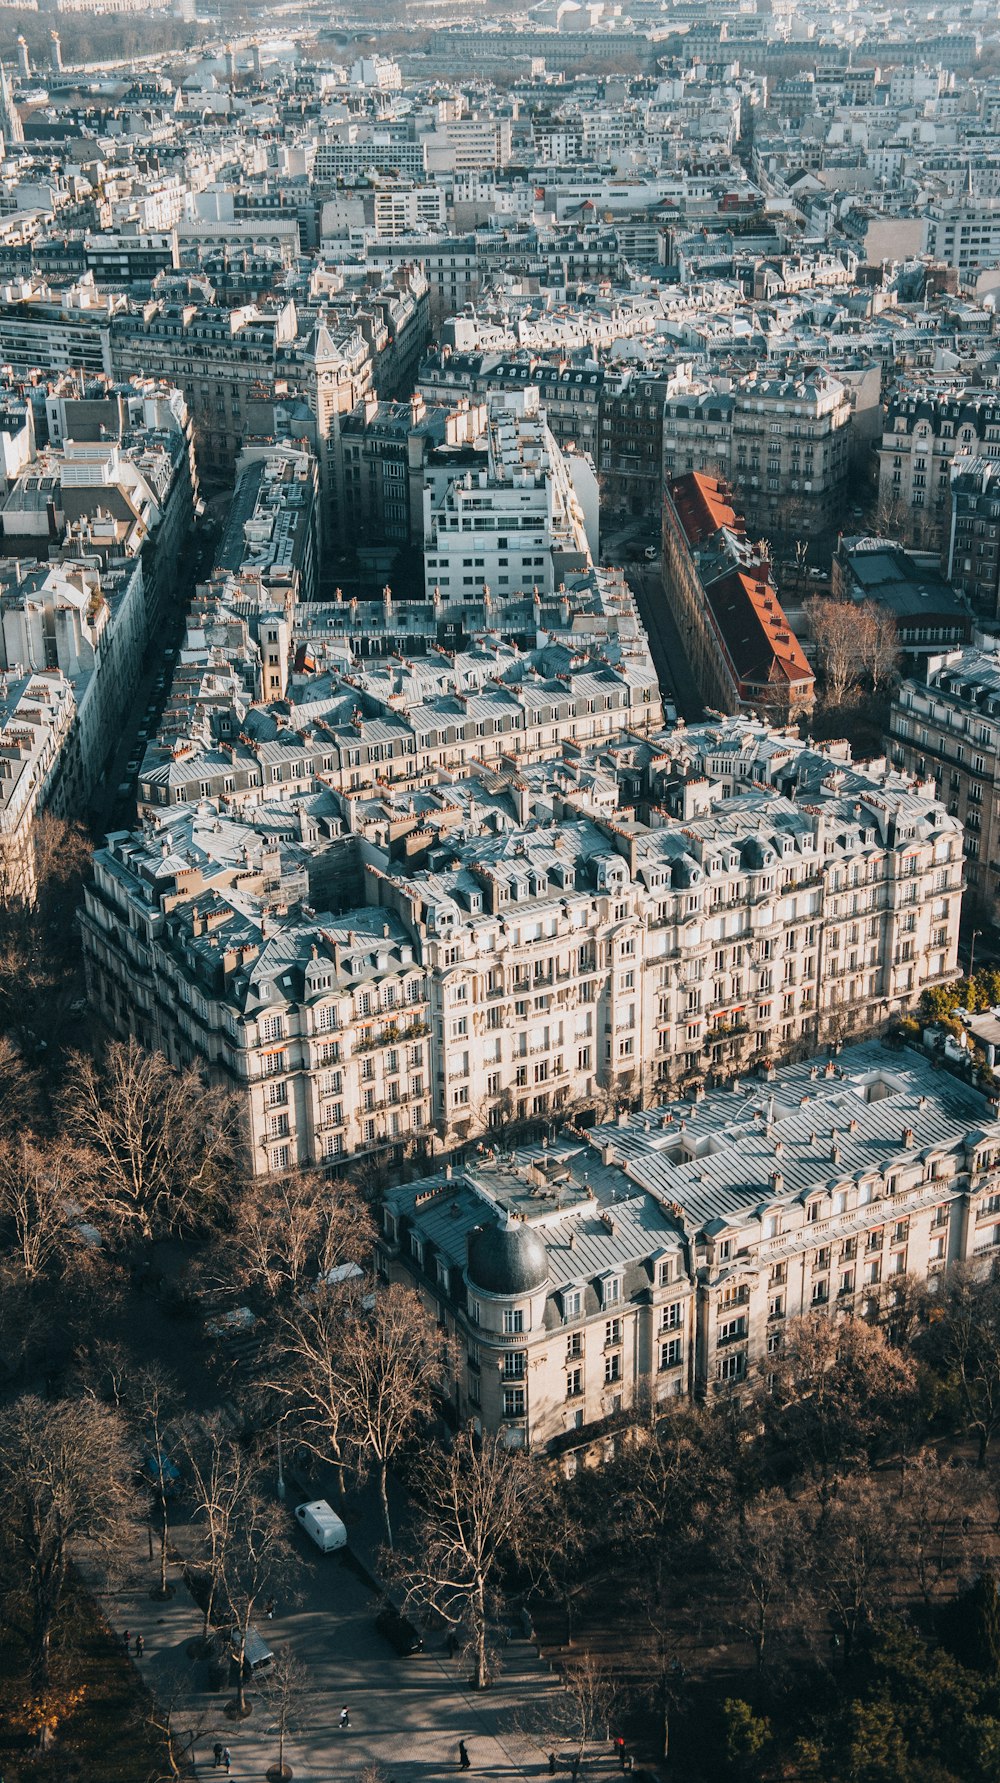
x: 270, y: 534
x: 742, y: 650
x: 974, y: 536
x: 661, y: 1256
x: 393, y: 451
x: 782, y: 897
x: 44, y: 330
x: 91, y: 624
x: 514, y: 523
x: 316, y: 1021
x: 947, y: 729
x: 223, y: 360
x: 782, y: 442
x: 926, y: 433
x: 964, y: 232
x: 37, y: 712
x: 593, y: 963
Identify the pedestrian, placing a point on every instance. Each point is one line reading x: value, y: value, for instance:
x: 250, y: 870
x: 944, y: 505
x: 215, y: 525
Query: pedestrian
x: 620, y: 1744
x: 552, y: 1764
x: 574, y: 1766
x: 452, y: 1643
x: 269, y: 1609
x: 126, y: 1640
x: 464, y: 1763
x: 217, y: 1754
x: 139, y: 1646
x: 227, y: 1758
x: 345, y: 1719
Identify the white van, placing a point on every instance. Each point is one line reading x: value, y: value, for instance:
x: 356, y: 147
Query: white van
x: 321, y: 1522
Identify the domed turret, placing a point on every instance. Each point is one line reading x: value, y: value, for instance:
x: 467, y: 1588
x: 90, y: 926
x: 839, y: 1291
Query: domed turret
x: 507, y: 1260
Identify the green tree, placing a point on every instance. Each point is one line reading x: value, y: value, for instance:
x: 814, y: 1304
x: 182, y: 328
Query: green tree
x: 747, y: 1740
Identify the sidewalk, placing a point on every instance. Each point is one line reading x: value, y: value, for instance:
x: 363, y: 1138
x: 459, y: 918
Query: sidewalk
x: 407, y: 1715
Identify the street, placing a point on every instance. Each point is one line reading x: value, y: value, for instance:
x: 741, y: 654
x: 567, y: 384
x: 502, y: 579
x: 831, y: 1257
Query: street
x: 669, y: 657
x: 407, y: 1715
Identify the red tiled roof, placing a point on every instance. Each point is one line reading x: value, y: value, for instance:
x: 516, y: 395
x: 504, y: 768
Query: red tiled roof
x: 759, y: 642
x: 703, y: 506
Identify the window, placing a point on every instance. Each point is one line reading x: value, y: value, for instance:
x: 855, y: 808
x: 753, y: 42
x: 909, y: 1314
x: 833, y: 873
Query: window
x: 574, y: 1383
x: 271, y: 1027
x: 613, y: 1366
x: 280, y: 1157
x: 612, y: 1290
x: 731, y: 1368
x: 572, y: 1302
x: 670, y: 1316
x: 513, y: 1402
x: 665, y: 1272
x: 671, y: 1353
x: 513, y: 1320
x: 613, y: 1331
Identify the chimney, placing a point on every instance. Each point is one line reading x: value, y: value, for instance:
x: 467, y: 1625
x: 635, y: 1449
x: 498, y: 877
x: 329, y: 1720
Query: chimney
x: 907, y: 1138
x: 777, y: 1182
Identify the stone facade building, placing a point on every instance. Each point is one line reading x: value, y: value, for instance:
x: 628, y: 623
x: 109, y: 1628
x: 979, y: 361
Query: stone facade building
x: 947, y: 729
x: 662, y: 1255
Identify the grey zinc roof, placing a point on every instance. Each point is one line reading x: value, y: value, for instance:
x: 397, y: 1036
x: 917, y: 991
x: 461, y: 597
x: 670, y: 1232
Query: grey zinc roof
x: 739, y: 1138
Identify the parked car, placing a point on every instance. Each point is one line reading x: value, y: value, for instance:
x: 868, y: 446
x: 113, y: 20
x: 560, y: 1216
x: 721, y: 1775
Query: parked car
x: 257, y: 1655
x: 398, y: 1630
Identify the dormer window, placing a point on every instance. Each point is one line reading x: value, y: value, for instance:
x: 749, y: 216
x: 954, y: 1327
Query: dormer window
x: 417, y: 1249
x: 665, y: 1272
x: 813, y: 1212
x: 611, y: 1290
x: 572, y: 1303
x: 725, y: 1250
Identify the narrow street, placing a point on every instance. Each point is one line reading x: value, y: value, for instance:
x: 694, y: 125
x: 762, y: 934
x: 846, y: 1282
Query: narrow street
x: 669, y: 657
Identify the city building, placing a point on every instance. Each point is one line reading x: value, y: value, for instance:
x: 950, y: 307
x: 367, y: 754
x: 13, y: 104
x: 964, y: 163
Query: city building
x: 515, y: 521
x: 947, y: 728
x: 743, y: 653
x: 661, y: 1256
x: 930, y: 614
x: 973, y: 565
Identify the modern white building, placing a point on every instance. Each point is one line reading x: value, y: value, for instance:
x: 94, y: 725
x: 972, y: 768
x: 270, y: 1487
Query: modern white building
x: 515, y: 523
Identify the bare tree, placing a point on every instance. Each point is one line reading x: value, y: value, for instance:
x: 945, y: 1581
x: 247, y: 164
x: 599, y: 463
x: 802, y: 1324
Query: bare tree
x: 757, y: 1556
x: 880, y: 647
x: 962, y: 1340
x: 839, y: 628
x: 581, y: 1713
x: 307, y: 1371
x: 162, y: 1146
x: 293, y: 1231
x: 40, y: 1206
x: 19, y: 1091
x: 834, y: 1391
x: 938, y: 1502
x: 64, y: 1470
x: 393, y: 1358
x: 853, y: 1549
x: 284, y: 1687
x: 257, y: 1554
x: 468, y: 1504
x: 554, y: 1540
x: 222, y: 1472
x: 154, y: 1397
